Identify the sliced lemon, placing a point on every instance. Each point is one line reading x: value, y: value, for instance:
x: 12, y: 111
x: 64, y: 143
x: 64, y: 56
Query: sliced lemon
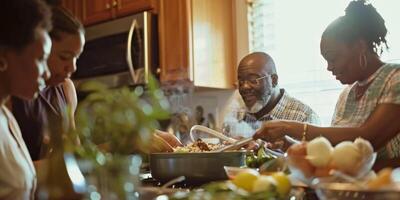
x: 246, y: 179
x: 264, y: 183
x: 283, y: 184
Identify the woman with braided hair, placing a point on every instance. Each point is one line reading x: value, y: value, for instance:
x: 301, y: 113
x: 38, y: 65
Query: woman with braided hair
x: 369, y: 107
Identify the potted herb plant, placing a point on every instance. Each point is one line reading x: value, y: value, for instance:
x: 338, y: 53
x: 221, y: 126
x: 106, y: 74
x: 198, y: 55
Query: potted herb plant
x: 113, y: 126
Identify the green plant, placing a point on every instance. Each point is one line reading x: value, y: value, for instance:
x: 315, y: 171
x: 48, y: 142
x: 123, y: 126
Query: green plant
x: 117, y: 121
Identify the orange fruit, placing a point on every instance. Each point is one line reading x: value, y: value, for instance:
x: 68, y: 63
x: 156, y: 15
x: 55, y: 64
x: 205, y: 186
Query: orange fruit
x: 383, y: 178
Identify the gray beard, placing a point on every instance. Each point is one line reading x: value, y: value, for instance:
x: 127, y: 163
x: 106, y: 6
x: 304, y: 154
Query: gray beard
x: 259, y: 105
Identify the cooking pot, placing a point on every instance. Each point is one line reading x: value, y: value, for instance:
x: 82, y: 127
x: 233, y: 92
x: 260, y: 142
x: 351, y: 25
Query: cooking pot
x: 196, y: 167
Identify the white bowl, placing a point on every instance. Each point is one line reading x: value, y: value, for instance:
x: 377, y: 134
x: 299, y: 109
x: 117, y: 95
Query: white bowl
x: 363, y: 169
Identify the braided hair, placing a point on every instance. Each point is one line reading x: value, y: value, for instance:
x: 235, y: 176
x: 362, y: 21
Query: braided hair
x: 361, y: 21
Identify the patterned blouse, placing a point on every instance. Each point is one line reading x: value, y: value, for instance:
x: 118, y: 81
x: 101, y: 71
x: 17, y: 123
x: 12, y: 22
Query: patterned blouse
x: 384, y: 88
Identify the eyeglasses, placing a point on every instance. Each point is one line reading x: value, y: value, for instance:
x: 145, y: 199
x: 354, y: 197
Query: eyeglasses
x: 255, y: 81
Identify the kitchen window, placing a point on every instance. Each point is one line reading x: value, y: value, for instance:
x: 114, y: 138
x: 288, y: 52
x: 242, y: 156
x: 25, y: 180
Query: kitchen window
x: 290, y: 32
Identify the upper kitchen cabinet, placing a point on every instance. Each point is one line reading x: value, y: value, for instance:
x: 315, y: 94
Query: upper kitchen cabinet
x: 197, y: 42
x: 175, y: 40
x: 126, y: 7
x: 95, y: 11
x: 74, y: 6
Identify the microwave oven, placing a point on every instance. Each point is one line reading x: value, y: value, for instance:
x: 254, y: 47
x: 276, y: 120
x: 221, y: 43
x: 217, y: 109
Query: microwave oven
x: 121, y: 52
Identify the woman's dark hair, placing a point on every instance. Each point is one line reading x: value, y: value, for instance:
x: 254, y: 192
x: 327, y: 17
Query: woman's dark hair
x: 361, y: 21
x: 19, y: 20
x: 64, y: 22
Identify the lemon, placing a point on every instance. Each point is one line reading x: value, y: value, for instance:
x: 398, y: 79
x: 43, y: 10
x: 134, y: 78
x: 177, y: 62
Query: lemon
x: 264, y: 183
x: 246, y: 179
x: 283, y: 184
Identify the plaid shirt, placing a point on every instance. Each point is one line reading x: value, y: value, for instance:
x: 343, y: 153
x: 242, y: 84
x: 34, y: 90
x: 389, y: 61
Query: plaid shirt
x: 288, y: 108
x: 384, y: 88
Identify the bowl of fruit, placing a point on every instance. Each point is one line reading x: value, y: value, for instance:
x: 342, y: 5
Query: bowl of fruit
x: 318, y: 158
x: 247, y: 183
x: 253, y: 182
x: 383, y: 185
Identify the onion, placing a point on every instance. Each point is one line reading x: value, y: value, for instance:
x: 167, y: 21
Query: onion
x: 364, y: 147
x: 346, y: 157
x: 319, y: 151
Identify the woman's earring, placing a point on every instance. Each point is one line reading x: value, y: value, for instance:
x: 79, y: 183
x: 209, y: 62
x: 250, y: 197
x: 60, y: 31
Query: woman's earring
x: 3, y: 65
x: 363, y: 61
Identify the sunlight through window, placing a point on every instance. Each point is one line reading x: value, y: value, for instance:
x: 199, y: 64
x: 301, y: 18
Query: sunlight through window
x: 290, y: 32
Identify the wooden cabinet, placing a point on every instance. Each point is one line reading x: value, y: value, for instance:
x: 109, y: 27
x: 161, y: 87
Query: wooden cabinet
x: 175, y: 43
x: 197, y: 42
x: 74, y: 7
x: 126, y: 7
x: 96, y: 11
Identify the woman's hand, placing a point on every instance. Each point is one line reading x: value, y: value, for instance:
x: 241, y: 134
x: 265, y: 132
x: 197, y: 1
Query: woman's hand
x: 275, y: 129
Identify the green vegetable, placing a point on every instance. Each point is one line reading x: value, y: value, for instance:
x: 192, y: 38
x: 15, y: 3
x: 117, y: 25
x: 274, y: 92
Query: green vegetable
x: 255, y: 161
x: 251, y: 161
x: 223, y: 190
x: 261, y: 153
x: 262, y: 157
x: 262, y: 160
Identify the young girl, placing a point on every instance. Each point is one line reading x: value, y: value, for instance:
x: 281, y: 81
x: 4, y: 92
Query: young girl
x: 68, y: 40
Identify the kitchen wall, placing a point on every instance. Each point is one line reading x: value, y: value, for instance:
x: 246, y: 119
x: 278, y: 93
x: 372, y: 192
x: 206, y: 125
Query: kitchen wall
x: 222, y: 102
x: 216, y: 102
x: 242, y: 30
x: 184, y: 98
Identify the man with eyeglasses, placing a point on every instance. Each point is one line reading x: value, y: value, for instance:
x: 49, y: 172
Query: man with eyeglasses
x: 264, y: 99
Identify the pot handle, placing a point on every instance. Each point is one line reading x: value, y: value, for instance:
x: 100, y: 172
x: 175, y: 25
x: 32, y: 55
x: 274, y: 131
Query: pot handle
x: 211, y: 132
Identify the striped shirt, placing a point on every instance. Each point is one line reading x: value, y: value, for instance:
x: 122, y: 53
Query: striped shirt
x: 384, y: 88
x: 287, y: 108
